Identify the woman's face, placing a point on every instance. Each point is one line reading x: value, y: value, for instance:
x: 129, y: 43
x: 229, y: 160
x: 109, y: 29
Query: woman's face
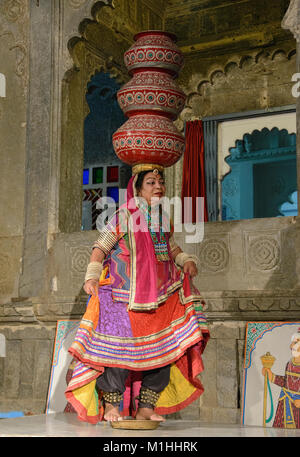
x: 153, y: 187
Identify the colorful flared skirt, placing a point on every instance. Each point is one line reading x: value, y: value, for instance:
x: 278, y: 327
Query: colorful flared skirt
x: 109, y: 335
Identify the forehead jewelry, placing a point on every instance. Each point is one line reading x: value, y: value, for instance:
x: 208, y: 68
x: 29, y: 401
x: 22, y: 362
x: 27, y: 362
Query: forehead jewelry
x: 156, y: 171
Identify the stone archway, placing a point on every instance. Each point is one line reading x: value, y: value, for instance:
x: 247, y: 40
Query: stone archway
x: 100, y: 47
x: 90, y: 54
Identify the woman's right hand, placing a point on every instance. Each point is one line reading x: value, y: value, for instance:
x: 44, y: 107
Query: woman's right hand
x: 91, y: 286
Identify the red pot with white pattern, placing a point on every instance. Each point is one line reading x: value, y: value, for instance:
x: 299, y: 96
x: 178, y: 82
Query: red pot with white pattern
x: 154, y: 49
x: 151, y: 91
x: 152, y: 101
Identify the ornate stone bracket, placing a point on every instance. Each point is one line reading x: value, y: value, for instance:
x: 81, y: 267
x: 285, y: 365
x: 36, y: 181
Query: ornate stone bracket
x: 291, y: 20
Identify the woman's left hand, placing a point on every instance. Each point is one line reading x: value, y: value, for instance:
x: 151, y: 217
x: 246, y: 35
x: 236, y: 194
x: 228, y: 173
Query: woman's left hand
x: 190, y: 268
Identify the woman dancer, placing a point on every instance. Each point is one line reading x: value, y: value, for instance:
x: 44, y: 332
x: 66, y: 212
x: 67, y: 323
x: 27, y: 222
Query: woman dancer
x: 140, y: 340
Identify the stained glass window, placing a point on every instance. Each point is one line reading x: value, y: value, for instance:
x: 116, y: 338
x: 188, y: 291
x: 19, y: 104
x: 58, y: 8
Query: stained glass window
x: 86, y: 175
x: 113, y: 192
x: 98, y: 175
x: 113, y: 174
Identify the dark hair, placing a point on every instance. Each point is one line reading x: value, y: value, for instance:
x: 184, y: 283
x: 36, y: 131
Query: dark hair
x: 140, y: 178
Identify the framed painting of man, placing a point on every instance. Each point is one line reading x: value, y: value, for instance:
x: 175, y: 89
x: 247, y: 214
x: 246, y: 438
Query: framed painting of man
x: 271, y: 383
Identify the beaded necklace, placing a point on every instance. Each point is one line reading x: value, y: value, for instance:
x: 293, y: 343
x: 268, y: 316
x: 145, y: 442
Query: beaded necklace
x: 160, y: 245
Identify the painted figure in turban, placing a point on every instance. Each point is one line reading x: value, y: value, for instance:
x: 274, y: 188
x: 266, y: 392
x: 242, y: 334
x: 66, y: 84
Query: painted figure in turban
x: 288, y: 408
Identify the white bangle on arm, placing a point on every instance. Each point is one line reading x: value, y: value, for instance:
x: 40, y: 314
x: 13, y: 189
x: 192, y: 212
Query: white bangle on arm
x: 183, y: 257
x: 93, y: 271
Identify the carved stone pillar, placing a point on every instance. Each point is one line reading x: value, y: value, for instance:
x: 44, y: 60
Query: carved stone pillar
x: 37, y: 185
x: 291, y: 21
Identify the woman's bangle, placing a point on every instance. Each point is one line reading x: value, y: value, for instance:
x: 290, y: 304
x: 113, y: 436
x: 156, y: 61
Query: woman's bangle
x: 182, y: 258
x: 93, y: 271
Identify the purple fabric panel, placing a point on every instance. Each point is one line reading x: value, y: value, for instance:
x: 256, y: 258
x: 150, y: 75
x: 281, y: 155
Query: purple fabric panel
x: 113, y: 316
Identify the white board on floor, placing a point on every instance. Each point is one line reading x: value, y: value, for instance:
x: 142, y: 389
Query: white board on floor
x: 65, y: 335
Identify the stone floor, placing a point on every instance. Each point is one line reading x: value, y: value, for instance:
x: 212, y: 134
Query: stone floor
x: 67, y: 425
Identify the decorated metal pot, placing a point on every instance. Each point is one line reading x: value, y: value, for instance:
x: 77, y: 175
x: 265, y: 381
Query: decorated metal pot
x: 154, y: 49
x: 153, y: 91
x: 152, y: 101
x: 148, y: 138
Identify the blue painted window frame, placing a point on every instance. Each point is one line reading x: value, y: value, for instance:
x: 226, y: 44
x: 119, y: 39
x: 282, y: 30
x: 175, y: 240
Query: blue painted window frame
x: 210, y: 127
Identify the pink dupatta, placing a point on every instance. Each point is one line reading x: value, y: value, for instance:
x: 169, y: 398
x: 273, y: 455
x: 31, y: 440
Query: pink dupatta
x: 143, y: 274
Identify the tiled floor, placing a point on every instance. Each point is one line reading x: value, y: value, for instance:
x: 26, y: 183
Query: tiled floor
x: 67, y: 425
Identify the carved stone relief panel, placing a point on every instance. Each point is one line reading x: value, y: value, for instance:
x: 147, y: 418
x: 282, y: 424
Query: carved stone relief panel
x: 13, y: 10
x: 79, y: 259
x: 262, y: 252
x: 214, y: 254
x: 69, y: 258
x: 251, y: 255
